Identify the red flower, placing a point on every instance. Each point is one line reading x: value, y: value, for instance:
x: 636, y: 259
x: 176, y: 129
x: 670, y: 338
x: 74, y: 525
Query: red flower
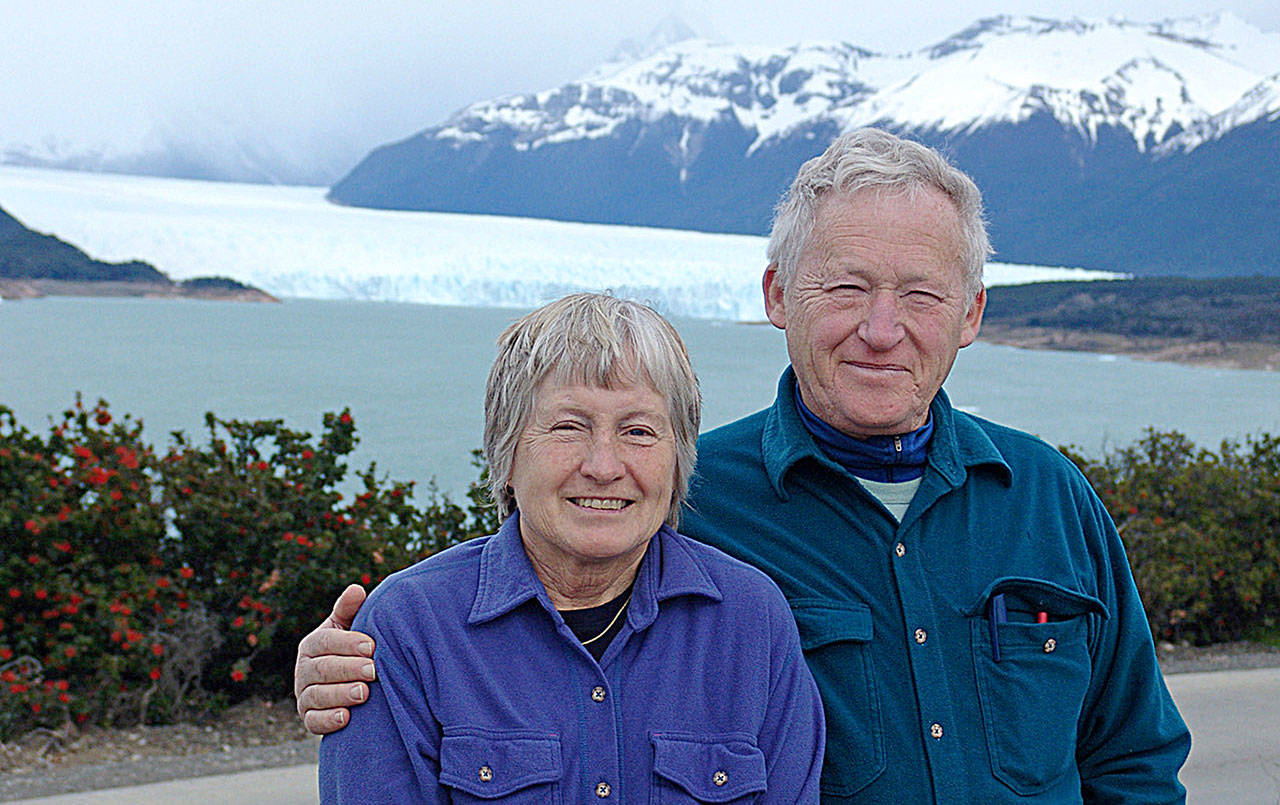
x: 237, y: 675
x: 6, y: 653
x: 70, y: 651
x: 64, y: 698
x: 252, y: 639
x: 61, y: 684
x: 307, y: 454
x: 40, y: 593
x: 238, y: 622
x: 365, y: 579
x: 97, y: 476
x: 115, y: 636
x: 345, y: 418
x: 33, y: 559
x: 83, y: 453
x: 14, y: 592
x: 104, y: 418
x: 33, y: 526
x: 36, y: 708
x: 157, y: 649
x: 162, y: 582
x: 128, y: 458
x: 155, y: 673
x: 116, y: 494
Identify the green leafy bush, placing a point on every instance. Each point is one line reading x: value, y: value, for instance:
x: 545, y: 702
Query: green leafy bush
x: 1202, y: 531
x: 137, y: 587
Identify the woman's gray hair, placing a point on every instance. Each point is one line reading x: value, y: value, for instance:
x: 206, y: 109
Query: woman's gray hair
x: 874, y: 159
x: 597, y: 340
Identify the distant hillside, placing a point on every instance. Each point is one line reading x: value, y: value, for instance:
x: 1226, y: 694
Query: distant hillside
x: 33, y: 264
x: 1228, y: 323
x: 1228, y: 309
x: 26, y: 254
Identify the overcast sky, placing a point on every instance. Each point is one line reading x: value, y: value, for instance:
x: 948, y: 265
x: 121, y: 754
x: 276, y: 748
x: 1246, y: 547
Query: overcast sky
x: 370, y: 72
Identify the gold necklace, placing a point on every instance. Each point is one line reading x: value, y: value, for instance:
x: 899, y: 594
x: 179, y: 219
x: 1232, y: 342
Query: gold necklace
x: 621, y: 609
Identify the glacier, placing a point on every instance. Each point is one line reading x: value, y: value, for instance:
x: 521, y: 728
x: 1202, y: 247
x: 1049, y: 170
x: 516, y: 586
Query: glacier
x: 292, y: 243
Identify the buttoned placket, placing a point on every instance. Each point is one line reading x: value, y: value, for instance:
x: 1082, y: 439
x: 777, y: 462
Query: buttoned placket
x: 929, y: 672
x: 596, y: 699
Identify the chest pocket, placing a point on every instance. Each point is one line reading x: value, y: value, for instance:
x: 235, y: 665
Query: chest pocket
x: 835, y: 636
x: 1032, y: 696
x: 697, y: 768
x: 519, y: 767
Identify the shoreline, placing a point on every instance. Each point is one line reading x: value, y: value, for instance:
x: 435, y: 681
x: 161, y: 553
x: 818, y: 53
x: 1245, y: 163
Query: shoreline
x: 1251, y: 355
x: 19, y: 289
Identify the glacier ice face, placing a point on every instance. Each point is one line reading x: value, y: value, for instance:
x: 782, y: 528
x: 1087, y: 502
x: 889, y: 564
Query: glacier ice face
x: 290, y: 242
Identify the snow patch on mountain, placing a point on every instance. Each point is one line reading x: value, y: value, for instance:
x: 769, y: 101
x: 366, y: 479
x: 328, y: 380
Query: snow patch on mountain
x: 1152, y: 80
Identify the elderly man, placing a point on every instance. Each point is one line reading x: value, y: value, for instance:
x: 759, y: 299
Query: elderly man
x: 963, y: 598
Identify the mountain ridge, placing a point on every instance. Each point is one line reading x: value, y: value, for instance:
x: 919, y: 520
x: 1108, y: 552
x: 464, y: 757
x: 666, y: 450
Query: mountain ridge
x: 1059, y: 121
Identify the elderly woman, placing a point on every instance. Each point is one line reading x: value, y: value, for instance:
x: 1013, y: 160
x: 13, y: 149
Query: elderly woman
x: 586, y: 652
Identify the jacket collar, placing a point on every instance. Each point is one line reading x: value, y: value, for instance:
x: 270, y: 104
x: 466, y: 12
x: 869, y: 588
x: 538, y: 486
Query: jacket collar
x: 958, y: 442
x: 507, y: 579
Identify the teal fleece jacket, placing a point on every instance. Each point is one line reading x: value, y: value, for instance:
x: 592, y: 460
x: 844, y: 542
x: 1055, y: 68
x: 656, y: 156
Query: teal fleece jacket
x: 932, y: 693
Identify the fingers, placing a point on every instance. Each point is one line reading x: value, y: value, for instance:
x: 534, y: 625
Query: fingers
x: 324, y: 707
x: 346, y: 607
x: 328, y: 656
x: 323, y: 722
x: 333, y: 666
x: 324, y: 641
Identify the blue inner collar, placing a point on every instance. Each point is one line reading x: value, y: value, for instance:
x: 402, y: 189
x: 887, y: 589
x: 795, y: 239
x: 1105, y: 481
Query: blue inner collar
x: 875, y: 458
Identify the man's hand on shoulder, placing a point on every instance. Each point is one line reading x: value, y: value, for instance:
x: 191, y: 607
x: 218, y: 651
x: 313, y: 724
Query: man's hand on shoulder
x: 333, y: 668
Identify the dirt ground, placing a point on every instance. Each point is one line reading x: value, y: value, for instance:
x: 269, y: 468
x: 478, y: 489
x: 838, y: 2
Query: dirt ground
x: 260, y: 734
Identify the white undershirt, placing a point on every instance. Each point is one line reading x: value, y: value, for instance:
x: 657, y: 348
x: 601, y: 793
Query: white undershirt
x: 896, y: 496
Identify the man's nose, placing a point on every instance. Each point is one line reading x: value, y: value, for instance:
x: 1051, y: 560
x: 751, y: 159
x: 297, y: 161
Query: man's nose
x: 603, y: 462
x: 881, y: 327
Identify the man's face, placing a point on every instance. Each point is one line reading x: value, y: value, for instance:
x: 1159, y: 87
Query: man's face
x: 877, y: 310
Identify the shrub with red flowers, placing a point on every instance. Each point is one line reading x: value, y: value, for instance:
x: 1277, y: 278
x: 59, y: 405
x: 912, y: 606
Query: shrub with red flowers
x: 136, y: 586
x: 1202, y: 532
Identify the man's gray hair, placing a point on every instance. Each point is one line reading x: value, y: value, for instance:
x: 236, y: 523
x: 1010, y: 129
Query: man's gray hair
x: 596, y: 340
x: 874, y: 159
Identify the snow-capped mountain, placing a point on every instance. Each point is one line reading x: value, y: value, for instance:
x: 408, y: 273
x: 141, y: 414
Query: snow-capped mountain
x: 1079, y: 132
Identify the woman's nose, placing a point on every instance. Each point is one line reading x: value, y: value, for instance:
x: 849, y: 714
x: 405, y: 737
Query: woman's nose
x: 602, y: 463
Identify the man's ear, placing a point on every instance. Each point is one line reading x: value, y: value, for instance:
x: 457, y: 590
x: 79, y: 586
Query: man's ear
x: 973, y: 318
x: 775, y: 306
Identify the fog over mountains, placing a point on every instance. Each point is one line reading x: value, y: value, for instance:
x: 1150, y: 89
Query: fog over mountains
x: 1145, y: 148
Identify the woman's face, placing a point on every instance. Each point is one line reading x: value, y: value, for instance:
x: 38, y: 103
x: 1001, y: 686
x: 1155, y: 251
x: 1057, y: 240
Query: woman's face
x: 593, y: 474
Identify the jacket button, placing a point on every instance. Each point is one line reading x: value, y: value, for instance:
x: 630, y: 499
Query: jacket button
x: 900, y: 550
x: 921, y: 636
x: 486, y: 774
x: 719, y: 778
x: 1050, y: 645
x: 935, y: 729
x: 603, y: 790
x: 597, y: 694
